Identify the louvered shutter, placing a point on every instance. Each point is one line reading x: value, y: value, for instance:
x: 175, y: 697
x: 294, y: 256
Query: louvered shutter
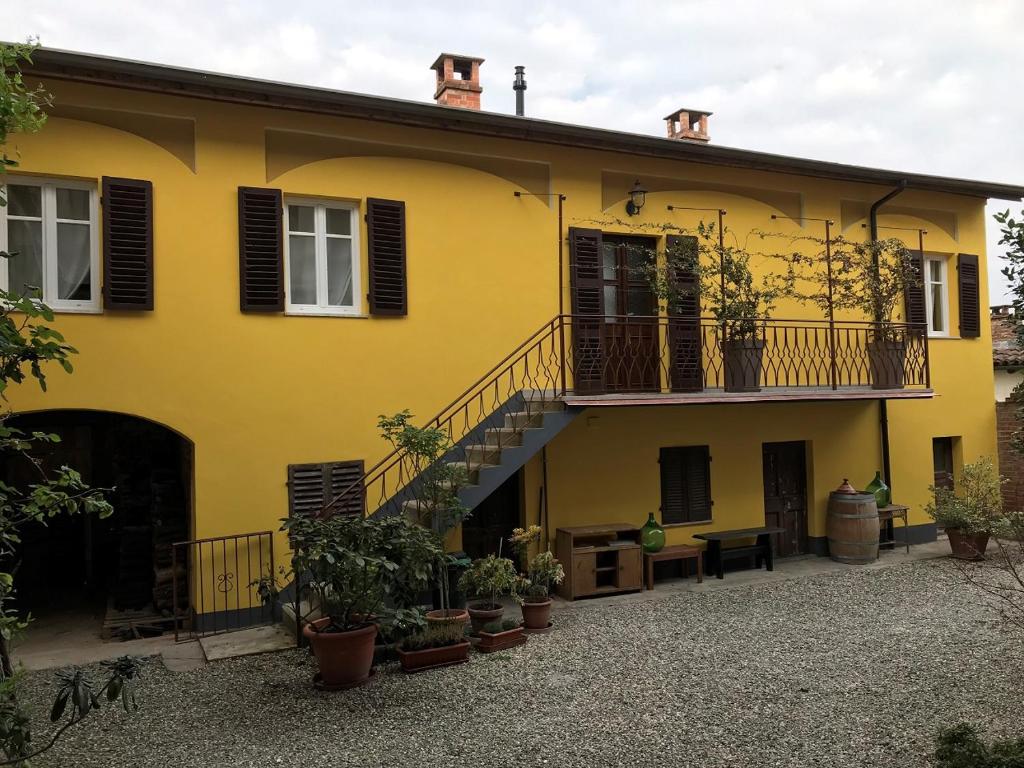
x: 260, y: 249
x: 385, y: 235
x: 970, y: 297
x: 685, y: 484
x: 311, y: 487
x: 684, y: 331
x: 127, y: 244
x: 913, y: 295
x: 585, y: 255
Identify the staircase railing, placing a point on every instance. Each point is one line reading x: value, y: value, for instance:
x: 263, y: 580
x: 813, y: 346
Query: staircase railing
x: 615, y: 355
x: 534, y: 371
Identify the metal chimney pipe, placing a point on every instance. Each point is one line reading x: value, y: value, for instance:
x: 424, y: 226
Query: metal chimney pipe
x: 519, y: 86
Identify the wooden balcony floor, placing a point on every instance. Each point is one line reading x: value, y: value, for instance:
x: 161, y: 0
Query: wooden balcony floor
x: 766, y: 395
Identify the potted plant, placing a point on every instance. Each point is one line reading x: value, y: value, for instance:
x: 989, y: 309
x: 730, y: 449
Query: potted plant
x: 971, y: 511
x: 439, y: 643
x: 488, y: 578
x: 871, y: 278
x: 543, y: 572
x: 357, y: 570
x: 500, y: 636
x: 436, y: 504
x: 716, y: 277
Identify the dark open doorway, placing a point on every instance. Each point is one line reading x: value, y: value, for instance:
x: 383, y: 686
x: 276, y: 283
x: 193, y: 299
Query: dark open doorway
x: 117, y: 569
x: 493, y: 520
x: 785, y: 495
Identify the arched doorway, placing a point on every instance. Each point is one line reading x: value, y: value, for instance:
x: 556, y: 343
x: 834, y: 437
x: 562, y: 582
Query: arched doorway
x: 115, y: 572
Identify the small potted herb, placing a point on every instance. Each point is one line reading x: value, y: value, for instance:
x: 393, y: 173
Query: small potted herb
x: 500, y: 636
x: 487, y: 579
x: 971, y: 511
x: 438, y: 644
x: 543, y: 573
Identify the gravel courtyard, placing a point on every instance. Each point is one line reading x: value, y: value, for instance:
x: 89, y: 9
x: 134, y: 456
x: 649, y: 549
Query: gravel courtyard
x: 852, y: 669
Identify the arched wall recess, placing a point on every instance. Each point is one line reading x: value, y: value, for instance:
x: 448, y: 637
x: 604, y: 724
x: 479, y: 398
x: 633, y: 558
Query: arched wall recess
x: 616, y: 184
x: 176, y: 135
x: 288, y: 150
x: 853, y: 212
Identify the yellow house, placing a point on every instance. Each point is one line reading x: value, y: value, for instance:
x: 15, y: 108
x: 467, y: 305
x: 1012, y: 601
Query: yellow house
x: 254, y: 271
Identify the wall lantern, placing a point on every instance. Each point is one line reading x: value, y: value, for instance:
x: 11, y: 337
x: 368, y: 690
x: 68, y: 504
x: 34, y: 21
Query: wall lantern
x: 637, y: 198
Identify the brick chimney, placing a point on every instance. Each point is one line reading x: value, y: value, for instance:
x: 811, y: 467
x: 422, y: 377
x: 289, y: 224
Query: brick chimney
x: 688, y: 125
x: 458, y: 80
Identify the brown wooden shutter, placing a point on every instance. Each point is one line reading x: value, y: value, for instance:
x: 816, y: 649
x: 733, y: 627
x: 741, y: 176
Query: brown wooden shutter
x: 970, y: 296
x: 913, y: 295
x: 684, y: 332
x: 260, y: 250
x: 127, y: 244
x: 312, y: 486
x: 585, y: 272
x: 385, y: 235
x: 685, y: 484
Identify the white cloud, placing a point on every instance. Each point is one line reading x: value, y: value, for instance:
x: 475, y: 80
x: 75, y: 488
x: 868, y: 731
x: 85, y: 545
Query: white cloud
x: 909, y: 85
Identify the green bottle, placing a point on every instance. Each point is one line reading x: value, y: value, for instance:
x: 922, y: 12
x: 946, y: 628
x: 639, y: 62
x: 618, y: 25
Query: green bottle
x: 652, y: 535
x: 879, y: 489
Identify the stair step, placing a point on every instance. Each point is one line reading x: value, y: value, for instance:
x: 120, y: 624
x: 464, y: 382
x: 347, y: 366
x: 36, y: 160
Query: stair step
x: 483, y: 454
x: 472, y: 470
x: 524, y: 419
x: 503, y: 436
x: 541, y: 406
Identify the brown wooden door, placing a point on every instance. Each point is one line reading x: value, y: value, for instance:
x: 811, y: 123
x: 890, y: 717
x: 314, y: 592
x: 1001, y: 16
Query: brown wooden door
x: 629, y: 568
x: 630, y: 332
x: 584, y: 574
x: 785, y: 495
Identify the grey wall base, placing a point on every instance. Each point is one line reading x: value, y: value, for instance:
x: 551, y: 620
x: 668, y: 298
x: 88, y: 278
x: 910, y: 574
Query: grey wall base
x: 917, y: 534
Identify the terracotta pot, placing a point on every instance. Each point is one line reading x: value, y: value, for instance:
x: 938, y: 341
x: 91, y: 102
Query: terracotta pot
x: 501, y: 641
x: 345, y: 658
x: 537, y: 615
x: 742, y: 360
x: 481, y: 617
x: 432, y: 658
x: 459, y: 614
x: 967, y: 546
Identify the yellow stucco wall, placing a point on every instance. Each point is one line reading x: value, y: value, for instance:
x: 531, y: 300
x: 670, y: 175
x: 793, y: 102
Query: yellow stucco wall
x: 258, y: 392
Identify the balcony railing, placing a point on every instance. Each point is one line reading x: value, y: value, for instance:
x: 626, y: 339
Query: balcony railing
x: 586, y: 356
x: 629, y: 354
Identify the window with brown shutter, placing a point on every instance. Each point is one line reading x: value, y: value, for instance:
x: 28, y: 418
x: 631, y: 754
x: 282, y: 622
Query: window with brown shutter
x: 127, y: 244
x: 970, y: 296
x: 385, y: 238
x: 914, y: 296
x: 311, y: 487
x: 685, y: 484
x: 260, y: 262
x: 585, y: 275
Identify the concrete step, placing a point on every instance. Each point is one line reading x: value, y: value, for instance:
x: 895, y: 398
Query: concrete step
x: 473, y: 471
x: 483, y: 454
x: 524, y: 419
x: 504, y: 437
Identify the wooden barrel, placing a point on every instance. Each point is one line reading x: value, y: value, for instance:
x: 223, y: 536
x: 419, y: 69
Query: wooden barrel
x: 852, y: 527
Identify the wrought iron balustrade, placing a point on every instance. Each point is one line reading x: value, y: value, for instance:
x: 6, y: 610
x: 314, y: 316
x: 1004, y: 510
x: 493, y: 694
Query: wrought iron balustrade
x: 630, y: 355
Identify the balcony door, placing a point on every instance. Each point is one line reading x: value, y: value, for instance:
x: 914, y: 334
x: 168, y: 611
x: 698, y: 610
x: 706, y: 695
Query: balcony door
x: 630, y: 308
x: 785, y: 495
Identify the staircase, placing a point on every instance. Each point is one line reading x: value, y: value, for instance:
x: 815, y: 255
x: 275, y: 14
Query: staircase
x: 495, y: 426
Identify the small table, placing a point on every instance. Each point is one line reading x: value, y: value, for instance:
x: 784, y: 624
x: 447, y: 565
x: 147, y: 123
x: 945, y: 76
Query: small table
x: 887, y: 515
x: 761, y: 549
x: 676, y: 552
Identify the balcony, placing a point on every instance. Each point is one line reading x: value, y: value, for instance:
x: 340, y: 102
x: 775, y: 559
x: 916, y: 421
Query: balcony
x: 629, y: 360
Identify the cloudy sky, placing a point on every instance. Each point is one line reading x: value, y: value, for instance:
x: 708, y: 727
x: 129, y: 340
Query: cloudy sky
x: 917, y: 85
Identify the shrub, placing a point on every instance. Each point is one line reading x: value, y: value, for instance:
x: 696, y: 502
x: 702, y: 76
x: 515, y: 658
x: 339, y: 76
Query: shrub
x: 962, y: 747
x: 490, y: 577
x: 975, y: 505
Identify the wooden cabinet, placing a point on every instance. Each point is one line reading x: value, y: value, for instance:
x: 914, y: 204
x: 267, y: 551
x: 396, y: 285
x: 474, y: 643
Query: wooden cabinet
x: 600, y: 560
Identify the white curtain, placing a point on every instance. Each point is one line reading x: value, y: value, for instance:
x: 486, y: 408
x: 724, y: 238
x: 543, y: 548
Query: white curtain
x: 73, y: 262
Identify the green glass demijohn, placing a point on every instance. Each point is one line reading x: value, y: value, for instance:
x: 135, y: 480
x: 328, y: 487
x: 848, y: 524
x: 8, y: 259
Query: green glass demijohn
x: 879, y: 489
x: 652, y: 535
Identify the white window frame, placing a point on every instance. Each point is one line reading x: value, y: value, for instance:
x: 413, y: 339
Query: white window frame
x: 49, y: 216
x: 320, y: 207
x: 942, y: 261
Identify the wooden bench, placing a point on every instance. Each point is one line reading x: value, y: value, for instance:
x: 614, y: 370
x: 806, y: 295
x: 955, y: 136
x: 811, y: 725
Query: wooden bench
x: 761, y: 549
x: 676, y: 552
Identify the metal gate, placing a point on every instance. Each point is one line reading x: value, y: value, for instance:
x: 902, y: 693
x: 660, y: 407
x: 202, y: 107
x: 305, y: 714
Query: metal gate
x: 222, y: 593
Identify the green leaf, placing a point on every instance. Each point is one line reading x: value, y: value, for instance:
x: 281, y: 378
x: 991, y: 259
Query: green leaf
x: 59, y: 705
